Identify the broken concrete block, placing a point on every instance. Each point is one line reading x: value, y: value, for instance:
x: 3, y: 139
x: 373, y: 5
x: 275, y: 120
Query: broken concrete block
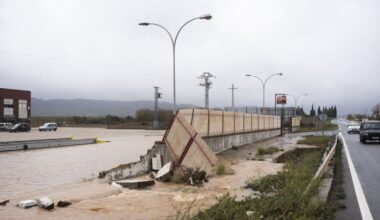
x: 135, y: 184
x: 165, y: 172
x: 27, y: 203
x: 157, y: 162
x: 45, y: 203
x: 3, y: 203
x: 63, y: 204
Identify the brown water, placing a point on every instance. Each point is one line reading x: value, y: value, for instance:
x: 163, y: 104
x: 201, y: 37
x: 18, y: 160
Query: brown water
x: 25, y: 171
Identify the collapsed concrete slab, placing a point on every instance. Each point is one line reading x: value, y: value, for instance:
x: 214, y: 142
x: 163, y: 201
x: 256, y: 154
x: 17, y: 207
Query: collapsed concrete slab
x: 193, y: 138
x: 135, y: 184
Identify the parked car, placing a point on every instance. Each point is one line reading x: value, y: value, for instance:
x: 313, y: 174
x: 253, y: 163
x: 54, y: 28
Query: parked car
x: 48, y: 126
x: 369, y: 130
x: 20, y: 127
x: 353, y: 128
x: 5, y: 126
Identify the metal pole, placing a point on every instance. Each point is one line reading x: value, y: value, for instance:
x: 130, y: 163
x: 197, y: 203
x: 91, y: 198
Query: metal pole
x: 233, y: 95
x: 157, y: 95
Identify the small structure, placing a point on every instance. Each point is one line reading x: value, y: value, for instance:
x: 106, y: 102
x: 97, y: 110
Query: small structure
x: 15, y: 105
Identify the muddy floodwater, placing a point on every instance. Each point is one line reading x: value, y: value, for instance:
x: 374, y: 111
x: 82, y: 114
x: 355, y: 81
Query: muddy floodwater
x: 26, y: 171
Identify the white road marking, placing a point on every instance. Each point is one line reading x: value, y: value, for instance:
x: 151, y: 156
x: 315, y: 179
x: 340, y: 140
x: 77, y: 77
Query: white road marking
x: 363, y: 205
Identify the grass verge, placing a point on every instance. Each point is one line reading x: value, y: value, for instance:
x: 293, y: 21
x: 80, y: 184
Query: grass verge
x: 280, y: 196
x: 320, y: 141
x: 319, y: 126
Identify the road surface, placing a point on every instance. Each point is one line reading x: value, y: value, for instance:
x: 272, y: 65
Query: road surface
x: 362, y: 177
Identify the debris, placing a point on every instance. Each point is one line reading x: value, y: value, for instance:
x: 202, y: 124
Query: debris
x: 45, y: 203
x: 249, y: 213
x: 165, y: 172
x: 157, y: 162
x: 234, y: 148
x: 3, y: 203
x: 135, y: 184
x: 195, y: 177
x: 27, y: 204
x: 102, y: 174
x: 63, y: 204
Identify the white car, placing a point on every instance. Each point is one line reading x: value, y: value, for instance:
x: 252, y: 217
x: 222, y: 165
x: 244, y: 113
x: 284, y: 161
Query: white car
x: 49, y: 126
x: 353, y: 128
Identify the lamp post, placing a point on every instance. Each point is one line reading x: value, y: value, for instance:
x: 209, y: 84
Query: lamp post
x: 174, y: 41
x: 264, y: 82
x: 296, y: 98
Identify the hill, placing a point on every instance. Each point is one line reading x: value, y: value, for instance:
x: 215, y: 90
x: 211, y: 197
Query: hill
x: 87, y: 107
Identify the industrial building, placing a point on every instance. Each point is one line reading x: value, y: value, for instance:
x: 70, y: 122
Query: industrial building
x: 15, y: 105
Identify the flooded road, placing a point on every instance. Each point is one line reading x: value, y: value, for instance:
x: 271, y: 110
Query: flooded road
x: 25, y: 171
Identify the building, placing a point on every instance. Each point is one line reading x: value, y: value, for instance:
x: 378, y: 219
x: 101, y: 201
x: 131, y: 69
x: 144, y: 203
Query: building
x: 15, y: 105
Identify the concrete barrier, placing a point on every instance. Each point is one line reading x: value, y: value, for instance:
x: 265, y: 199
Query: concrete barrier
x: 44, y: 143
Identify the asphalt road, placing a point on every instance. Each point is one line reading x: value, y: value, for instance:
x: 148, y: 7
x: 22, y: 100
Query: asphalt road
x: 362, y: 179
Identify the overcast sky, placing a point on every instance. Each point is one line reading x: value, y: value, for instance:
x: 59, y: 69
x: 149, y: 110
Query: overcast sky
x: 96, y: 50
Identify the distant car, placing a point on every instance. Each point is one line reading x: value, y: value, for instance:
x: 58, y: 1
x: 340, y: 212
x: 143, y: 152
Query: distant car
x: 20, y: 127
x: 5, y: 126
x: 353, y: 128
x: 48, y: 126
x: 369, y: 130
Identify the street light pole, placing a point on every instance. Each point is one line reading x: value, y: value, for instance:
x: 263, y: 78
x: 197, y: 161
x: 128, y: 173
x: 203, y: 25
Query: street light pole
x: 263, y: 83
x: 174, y: 42
x: 296, y: 98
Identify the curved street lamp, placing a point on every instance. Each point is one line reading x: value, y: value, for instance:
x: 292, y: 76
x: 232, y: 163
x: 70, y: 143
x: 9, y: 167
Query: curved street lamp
x: 264, y: 82
x: 296, y: 98
x: 174, y: 41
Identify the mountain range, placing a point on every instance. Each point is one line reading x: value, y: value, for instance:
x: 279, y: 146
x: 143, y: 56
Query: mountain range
x: 88, y: 107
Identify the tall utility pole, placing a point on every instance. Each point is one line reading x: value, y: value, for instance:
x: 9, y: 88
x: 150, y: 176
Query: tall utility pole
x: 157, y: 95
x: 233, y: 95
x: 207, y: 84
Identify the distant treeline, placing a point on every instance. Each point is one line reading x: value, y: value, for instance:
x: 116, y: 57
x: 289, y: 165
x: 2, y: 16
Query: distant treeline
x: 143, y: 119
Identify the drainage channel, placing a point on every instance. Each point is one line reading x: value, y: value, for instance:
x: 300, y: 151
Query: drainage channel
x: 44, y: 143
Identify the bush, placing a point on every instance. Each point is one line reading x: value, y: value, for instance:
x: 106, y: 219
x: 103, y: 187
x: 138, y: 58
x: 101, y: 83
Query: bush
x: 268, y: 150
x: 222, y: 167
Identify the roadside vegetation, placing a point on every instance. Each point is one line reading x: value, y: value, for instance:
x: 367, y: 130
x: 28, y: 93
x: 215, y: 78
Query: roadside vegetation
x: 320, y: 141
x: 310, y: 124
x: 281, y: 196
x: 286, y: 195
x: 266, y: 150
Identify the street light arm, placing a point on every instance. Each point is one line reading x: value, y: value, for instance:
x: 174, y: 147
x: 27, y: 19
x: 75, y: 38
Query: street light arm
x: 166, y: 30
x: 180, y: 29
x: 274, y: 74
x: 257, y: 78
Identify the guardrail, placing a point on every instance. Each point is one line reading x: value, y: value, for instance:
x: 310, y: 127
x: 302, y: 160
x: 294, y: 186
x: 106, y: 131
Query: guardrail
x: 324, y: 165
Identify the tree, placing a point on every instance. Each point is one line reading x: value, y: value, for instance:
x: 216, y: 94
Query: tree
x: 312, y: 111
x: 319, y: 110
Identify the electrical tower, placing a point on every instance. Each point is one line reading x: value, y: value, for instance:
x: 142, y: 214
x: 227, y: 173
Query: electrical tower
x: 207, y: 84
x: 233, y: 95
x: 157, y: 95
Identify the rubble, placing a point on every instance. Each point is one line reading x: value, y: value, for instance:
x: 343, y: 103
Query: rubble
x: 63, y: 204
x: 165, y: 172
x: 27, y: 203
x: 135, y: 184
x: 3, y: 203
x: 45, y: 203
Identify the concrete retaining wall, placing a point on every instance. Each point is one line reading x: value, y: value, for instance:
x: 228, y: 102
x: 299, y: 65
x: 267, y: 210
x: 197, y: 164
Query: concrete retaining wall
x: 139, y: 167
x: 45, y: 143
x: 220, y: 143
